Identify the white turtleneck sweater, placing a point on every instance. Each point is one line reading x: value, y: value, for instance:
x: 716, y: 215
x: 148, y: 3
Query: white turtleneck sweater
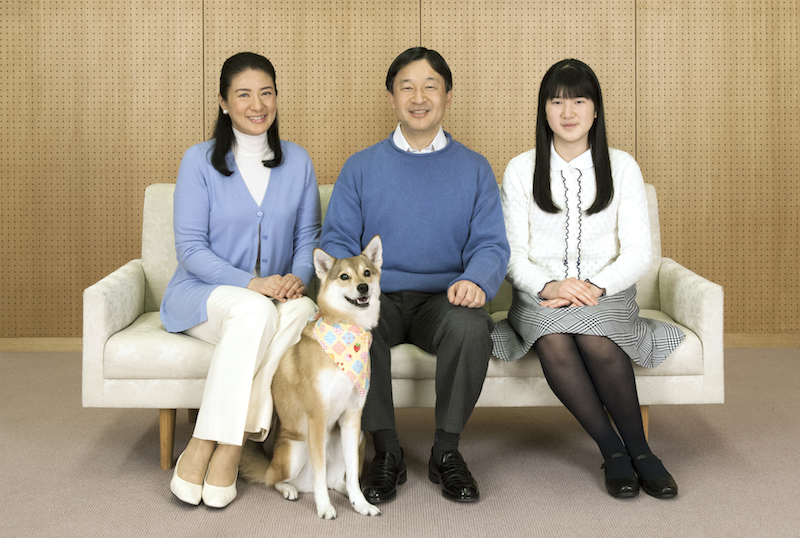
x: 250, y: 152
x: 611, y: 249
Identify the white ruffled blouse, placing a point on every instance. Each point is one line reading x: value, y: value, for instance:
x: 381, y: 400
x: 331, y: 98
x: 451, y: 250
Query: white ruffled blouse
x: 611, y: 248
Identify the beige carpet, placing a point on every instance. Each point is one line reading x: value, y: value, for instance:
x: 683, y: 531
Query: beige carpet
x: 69, y: 471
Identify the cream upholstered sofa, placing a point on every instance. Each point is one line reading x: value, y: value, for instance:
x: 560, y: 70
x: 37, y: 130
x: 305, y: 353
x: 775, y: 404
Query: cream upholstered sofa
x: 130, y: 361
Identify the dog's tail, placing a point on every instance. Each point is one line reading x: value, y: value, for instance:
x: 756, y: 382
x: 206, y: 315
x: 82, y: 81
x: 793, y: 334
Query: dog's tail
x: 254, y: 464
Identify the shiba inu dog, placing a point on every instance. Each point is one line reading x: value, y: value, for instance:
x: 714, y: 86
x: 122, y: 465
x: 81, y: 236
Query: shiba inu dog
x: 320, y: 388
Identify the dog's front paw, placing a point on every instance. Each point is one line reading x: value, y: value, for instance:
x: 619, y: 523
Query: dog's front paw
x: 288, y: 491
x: 366, y: 509
x: 326, y: 512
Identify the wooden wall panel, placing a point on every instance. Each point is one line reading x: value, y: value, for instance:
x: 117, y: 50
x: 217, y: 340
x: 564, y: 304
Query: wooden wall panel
x: 330, y: 59
x: 499, y: 51
x: 718, y: 130
x: 98, y: 100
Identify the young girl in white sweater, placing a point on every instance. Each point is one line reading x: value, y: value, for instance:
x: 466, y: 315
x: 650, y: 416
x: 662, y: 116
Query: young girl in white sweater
x: 577, y: 224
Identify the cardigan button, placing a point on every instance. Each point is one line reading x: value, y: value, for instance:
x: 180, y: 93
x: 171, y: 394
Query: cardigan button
x: 260, y: 213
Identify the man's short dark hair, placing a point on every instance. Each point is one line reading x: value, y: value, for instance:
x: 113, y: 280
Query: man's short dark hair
x: 420, y: 53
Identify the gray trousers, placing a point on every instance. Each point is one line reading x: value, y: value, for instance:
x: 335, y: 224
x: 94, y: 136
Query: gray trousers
x: 460, y: 337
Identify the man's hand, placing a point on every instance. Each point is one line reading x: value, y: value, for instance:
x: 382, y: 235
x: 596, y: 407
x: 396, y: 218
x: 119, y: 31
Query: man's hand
x: 466, y: 293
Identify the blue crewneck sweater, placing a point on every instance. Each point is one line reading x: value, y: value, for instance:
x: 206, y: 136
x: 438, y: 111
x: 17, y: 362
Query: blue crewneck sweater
x: 438, y: 215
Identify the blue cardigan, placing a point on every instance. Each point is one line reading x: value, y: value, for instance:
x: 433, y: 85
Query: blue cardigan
x: 217, y: 222
x: 438, y: 215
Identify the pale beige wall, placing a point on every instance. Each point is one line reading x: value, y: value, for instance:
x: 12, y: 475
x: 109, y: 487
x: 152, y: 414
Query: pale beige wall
x: 100, y: 99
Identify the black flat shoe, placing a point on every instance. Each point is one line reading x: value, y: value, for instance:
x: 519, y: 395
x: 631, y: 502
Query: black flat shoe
x: 654, y: 478
x: 621, y: 478
x: 387, y: 472
x: 454, y: 476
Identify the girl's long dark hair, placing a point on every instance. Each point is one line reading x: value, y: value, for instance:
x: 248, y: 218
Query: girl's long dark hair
x: 224, y: 139
x: 570, y: 79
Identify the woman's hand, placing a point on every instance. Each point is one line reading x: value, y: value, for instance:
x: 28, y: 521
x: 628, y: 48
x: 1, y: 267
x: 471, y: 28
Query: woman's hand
x: 570, y: 292
x: 280, y: 288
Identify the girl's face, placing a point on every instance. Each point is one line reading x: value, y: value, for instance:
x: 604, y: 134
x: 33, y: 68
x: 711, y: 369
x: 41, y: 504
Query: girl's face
x: 251, y: 102
x: 570, y: 119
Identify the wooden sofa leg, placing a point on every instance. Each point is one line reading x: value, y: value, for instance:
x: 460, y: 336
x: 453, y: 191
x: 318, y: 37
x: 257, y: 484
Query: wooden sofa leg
x: 166, y: 427
x: 646, y: 420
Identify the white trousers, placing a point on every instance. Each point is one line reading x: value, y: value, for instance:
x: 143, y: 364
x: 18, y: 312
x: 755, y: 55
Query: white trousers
x: 251, y: 333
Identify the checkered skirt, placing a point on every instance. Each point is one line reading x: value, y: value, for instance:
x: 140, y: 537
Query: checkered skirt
x: 646, y: 341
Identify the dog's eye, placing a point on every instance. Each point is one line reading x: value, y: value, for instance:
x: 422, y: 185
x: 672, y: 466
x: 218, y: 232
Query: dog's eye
x: 344, y: 276
x: 367, y: 273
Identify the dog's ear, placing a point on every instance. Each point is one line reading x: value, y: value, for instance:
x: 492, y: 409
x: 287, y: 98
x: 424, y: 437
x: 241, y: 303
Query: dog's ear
x: 322, y: 262
x: 374, y: 251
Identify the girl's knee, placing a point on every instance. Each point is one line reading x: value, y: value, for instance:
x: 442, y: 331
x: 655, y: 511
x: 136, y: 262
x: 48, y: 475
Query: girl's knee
x: 556, y: 348
x: 601, y: 350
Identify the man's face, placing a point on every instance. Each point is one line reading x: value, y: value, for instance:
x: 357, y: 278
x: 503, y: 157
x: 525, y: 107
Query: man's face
x: 420, y: 101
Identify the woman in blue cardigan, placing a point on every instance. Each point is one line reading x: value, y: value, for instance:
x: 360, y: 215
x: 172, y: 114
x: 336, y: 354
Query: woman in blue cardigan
x: 247, y: 219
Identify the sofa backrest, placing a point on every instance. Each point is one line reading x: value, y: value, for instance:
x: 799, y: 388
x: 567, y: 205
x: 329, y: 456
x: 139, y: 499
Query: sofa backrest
x: 158, y: 243
x: 647, y: 286
x: 159, y: 259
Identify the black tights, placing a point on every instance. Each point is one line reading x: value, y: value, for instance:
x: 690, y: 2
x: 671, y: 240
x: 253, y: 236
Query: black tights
x: 591, y: 374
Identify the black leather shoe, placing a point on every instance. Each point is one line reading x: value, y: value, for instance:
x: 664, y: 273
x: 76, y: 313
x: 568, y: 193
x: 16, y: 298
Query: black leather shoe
x: 621, y: 479
x: 387, y: 472
x: 654, y: 478
x: 456, y: 480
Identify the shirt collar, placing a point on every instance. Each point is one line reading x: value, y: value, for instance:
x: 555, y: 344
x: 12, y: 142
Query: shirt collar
x: 439, y: 141
x: 581, y: 162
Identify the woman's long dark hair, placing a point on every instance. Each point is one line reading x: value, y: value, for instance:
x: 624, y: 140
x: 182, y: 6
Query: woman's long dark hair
x: 569, y: 79
x: 224, y: 139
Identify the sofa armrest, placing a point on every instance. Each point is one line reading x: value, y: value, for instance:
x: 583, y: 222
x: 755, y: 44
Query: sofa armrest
x: 109, y: 306
x: 697, y: 304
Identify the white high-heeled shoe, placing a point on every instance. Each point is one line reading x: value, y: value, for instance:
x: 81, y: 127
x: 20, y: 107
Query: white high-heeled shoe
x: 219, y: 496
x: 185, y: 491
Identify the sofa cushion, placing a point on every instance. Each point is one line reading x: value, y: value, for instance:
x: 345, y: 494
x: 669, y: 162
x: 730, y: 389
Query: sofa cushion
x: 145, y: 350
x: 410, y: 362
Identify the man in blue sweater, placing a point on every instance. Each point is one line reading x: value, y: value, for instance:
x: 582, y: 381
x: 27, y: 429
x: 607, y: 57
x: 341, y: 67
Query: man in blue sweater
x: 436, y: 205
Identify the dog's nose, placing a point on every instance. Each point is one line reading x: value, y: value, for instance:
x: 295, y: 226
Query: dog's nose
x: 362, y: 289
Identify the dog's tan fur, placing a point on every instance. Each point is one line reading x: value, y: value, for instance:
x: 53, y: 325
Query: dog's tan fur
x: 318, y: 406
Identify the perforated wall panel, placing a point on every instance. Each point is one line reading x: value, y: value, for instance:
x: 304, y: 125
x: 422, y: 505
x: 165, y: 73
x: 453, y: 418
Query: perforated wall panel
x: 100, y: 99
x: 330, y: 59
x: 499, y: 52
x: 718, y: 135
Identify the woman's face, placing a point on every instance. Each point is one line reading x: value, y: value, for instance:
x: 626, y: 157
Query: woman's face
x: 570, y: 119
x: 251, y: 102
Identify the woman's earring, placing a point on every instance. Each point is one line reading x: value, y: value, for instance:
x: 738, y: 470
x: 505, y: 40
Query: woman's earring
x: 225, y: 112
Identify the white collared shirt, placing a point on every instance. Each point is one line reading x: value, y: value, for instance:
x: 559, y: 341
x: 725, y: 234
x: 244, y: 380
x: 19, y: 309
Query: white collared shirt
x: 581, y: 162
x: 439, y: 142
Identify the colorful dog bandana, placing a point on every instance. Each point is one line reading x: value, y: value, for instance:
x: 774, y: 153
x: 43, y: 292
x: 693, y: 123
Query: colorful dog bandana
x: 348, y: 346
